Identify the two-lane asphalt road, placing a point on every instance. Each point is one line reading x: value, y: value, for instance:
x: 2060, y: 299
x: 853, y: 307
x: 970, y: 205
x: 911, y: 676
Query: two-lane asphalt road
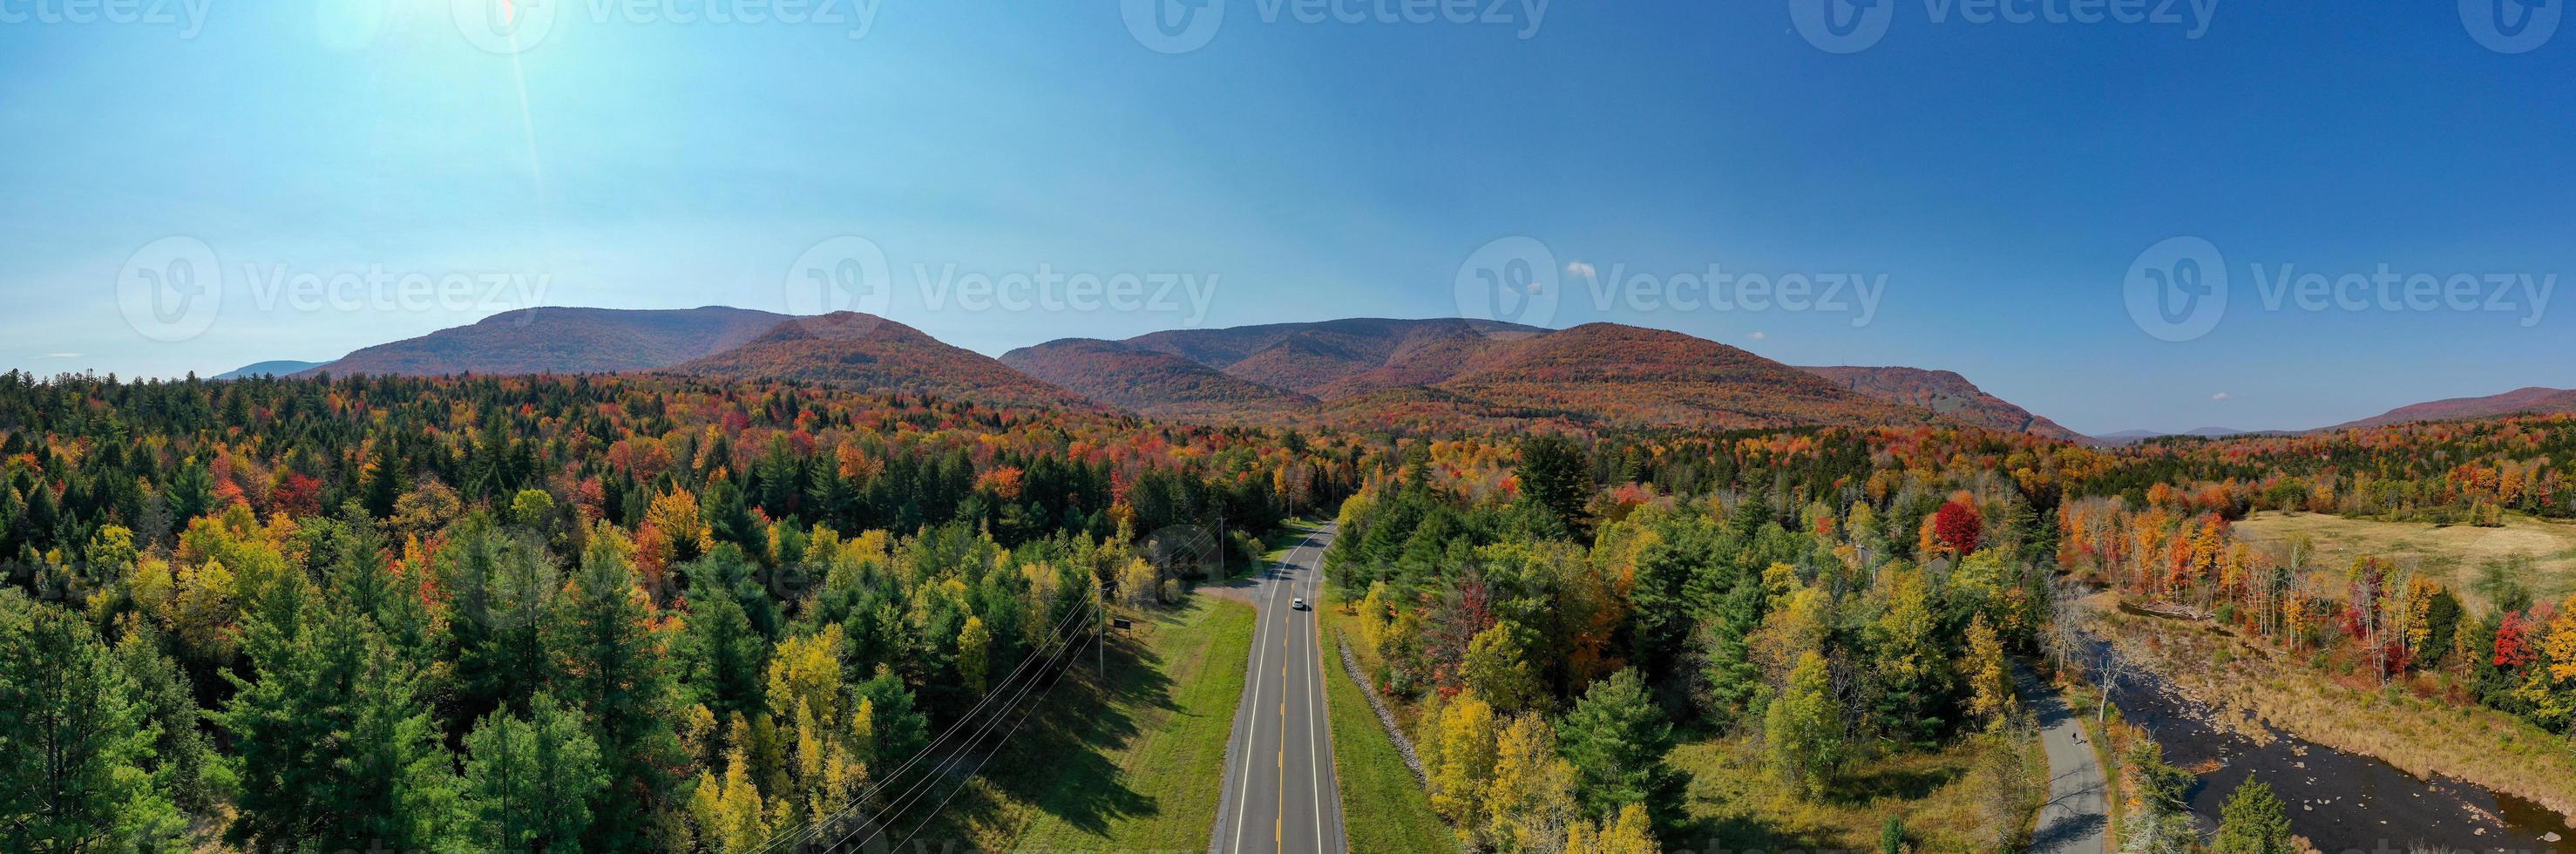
x: 1280, y: 794
x: 2077, y: 818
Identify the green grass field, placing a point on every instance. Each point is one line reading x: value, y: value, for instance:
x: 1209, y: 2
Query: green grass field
x: 1384, y: 808
x: 1734, y: 804
x: 1135, y: 765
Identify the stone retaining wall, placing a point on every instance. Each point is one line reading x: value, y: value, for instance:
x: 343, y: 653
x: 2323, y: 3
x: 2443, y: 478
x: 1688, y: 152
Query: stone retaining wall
x: 1385, y: 716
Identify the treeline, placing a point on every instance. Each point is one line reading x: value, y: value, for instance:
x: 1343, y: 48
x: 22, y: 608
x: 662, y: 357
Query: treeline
x: 2465, y: 472
x: 2468, y: 472
x: 550, y: 613
x: 78, y: 452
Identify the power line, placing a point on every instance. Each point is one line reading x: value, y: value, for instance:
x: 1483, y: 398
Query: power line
x: 804, y: 828
x: 988, y: 757
x: 929, y: 782
x: 1057, y: 637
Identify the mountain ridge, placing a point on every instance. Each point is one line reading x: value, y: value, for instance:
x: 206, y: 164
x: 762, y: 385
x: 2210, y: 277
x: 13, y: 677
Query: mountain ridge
x: 2521, y: 400
x: 1945, y: 392
x: 1431, y: 373
x: 270, y: 368
x: 1450, y: 373
x: 562, y: 340
x: 864, y: 352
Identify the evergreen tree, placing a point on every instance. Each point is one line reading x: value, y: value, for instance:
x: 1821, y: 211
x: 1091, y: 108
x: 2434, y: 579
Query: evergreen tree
x: 530, y: 782
x: 608, y: 649
x: 721, y: 652
x: 337, y: 749
x: 186, y: 767
x: 500, y: 584
x: 1554, y: 473
x: 74, y: 742
x: 1617, y: 740
x: 2252, y: 822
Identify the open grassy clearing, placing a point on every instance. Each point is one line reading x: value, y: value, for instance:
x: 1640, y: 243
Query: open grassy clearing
x: 2455, y: 552
x: 1735, y: 804
x: 1132, y: 764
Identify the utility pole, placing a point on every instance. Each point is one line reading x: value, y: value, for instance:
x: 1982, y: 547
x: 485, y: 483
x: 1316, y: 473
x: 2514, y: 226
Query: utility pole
x: 1100, y: 632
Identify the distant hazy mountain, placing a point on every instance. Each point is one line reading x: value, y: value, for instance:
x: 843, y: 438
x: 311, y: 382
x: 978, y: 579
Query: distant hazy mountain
x: 278, y: 368
x: 2521, y: 400
x: 2129, y: 436
x: 1943, y: 392
x: 565, y: 341
x: 1366, y: 373
x: 1450, y: 373
x: 1339, y: 358
x: 863, y: 352
x: 1148, y: 382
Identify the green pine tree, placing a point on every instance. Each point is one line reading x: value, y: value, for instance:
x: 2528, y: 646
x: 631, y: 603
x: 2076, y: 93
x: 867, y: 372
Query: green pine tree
x: 1617, y: 739
x: 2252, y: 822
x: 73, y: 740
x: 530, y: 782
x: 607, y: 647
x: 337, y: 748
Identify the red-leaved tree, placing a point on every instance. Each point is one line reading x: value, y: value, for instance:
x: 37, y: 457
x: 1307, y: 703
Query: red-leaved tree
x: 1958, y: 525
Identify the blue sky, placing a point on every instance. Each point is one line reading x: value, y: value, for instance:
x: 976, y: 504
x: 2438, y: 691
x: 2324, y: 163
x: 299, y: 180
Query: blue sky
x: 1998, y: 180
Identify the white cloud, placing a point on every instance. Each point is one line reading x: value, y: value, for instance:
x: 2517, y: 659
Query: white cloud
x: 1580, y: 268
x: 62, y: 355
x: 1760, y: 335
x: 2220, y: 396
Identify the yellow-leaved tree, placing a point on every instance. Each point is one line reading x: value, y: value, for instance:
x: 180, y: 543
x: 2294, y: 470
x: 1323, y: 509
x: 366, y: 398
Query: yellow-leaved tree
x: 1990, y: 691
x: 728, y: 813
x: 1466, y: 769
x: 1531, y: 801
x: 1629, y: 833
